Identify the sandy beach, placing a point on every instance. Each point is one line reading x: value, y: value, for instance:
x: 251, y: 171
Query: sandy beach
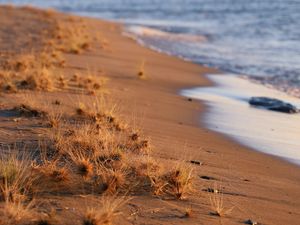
x: 254, y: 186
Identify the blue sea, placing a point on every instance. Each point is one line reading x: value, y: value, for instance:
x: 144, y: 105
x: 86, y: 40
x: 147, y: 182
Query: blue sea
x: 259, y: 38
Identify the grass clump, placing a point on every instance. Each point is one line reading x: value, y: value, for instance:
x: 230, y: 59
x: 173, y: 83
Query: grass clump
x: 217, y: 205
x: 69, y: 38
x: 188, y: 212
x: 111, y: 181
x: 180, y: 181
x: 28, y: 111
x: 54, y: 119
x: 81, y: 163
x: 91, y: 82
x: 15, y: 178
x: 12, y: 213
x: 106, y: 213
x: 39, y: 79
x: 141, y: 72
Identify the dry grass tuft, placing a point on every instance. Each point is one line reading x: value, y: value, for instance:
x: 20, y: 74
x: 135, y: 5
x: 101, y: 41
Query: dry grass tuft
x: 180, y: 181
x: 29, y: 71
x: 111, y: 181
x: 39, y: 79
x: 188, y: 212
x: 100, y: 113
x: 81, y: 109
x: 54, y: 119
x: 81, y: 162
x: 217, y: 205
x: 106, y: 214
x: 16, y: 176
x: 28, y: 111
x: 91, y: 152
x: 70, y: 38
x: 84, y: 168
x: 141, y: 73
x: 13, y: 213
x: 53, y: 174
x: 91, y: 82
x: 6, y: 83
x: 135, y: 136
x: 62, y: 82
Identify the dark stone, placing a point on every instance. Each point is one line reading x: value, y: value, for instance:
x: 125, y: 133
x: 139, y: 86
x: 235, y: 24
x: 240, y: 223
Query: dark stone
x: 207, y: 178
x: 196, y: 162
x: 250, y: 222
x: 273, y: 104
x: 212, y: 190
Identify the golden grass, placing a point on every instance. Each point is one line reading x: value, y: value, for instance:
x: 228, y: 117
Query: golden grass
x: 96, y: 155
x: 177, y: 181
x: 31, y: 106
x: 92, y: 82
x: 62, y: 82
x: 180, y: 181
x: 70, y: 38
x: 110, y: 181
x: 54, y: 119
x: 17, y: 178
x: 101, y: 113
x: 188, y: 212
x: 36, y: 70
x: 217, y: 205
x: 82, y: 163
x: 6, y: 83
x: 29, y: 71
x: 141, y: 72
x: 12, y: 213
x: 92, y: 152
x: 105, y: 214
x: 53, y: 172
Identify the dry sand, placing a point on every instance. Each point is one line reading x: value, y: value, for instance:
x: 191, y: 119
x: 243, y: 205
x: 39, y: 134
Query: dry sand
x: 254, y: 185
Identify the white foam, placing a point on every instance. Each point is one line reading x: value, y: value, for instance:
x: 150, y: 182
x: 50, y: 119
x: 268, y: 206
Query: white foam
x: 151, y: 32
x: 229, y: 113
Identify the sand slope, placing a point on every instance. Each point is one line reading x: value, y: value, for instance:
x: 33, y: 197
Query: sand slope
x: 256, y: 186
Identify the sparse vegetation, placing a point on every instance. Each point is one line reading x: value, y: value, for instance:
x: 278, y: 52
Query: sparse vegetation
x: 17, y: 178
x: 104, y: 215
x: 89, y: 150
x: 12, y: 213
x: 188, y: 212
x: 142, y: 73
x: 218, y: 206
x: 180, y: 181
x: 54, y: 119
x: 71, y: 39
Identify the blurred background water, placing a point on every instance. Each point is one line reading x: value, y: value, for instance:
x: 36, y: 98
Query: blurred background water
x: 258, y: 38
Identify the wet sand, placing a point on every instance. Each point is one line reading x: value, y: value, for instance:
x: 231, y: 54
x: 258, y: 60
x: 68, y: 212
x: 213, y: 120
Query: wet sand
x: 229, y: 113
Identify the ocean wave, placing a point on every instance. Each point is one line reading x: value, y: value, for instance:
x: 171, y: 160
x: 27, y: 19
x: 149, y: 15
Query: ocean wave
x: 143, y: 31
x: 290, y: 83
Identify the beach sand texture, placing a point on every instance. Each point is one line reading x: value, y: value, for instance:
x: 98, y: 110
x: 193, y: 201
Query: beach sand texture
x: 254, y: 186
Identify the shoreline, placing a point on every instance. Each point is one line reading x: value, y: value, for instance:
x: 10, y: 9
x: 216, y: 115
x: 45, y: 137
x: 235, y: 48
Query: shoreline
x: 264, y: 129
x: 215, y: 84
x: 251, y: 181
x: 260, y: 159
